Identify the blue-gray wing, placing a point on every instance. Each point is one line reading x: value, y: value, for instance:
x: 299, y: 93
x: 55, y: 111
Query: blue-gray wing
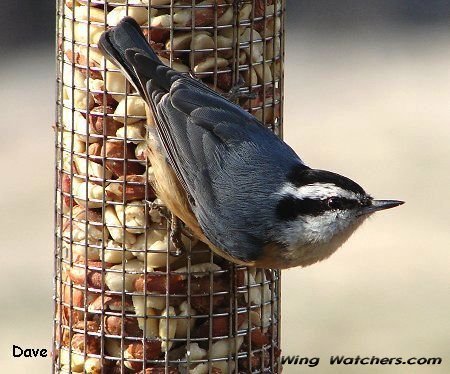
x: 229, y: 163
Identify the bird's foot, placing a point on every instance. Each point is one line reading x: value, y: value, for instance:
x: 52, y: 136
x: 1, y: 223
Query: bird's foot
x: 175, y: 236
x: 177, y: 229
x: 162, y: 210
x: 236, y: 92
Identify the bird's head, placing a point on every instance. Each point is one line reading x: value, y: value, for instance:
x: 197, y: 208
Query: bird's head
x: 318, y: 210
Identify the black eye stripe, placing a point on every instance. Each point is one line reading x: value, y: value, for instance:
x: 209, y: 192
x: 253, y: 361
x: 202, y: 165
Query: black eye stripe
x: 341, y: 203
x: 290, y: 207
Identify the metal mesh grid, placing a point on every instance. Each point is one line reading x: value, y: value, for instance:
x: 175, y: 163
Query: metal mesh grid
x: 124, y: 302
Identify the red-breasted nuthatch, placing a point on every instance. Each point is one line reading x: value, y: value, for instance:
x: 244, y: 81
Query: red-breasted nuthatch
x: 235, y: 184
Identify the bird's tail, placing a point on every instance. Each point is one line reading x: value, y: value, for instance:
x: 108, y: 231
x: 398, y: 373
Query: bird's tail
x: 126, y: 47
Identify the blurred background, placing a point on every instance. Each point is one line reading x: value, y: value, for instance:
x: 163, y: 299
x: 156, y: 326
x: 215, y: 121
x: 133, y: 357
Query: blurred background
x: 367, y: 95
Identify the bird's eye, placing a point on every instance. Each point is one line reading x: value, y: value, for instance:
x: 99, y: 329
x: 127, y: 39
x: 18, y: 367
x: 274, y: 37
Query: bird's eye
x: 334, y: 203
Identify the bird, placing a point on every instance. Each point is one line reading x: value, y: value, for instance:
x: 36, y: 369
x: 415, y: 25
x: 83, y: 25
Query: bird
x: 237, y: 186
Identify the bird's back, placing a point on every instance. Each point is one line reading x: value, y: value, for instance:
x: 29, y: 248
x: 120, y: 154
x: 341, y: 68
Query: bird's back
x: 221, y: 154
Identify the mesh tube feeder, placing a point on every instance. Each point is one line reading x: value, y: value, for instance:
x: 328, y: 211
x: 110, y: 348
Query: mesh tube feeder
x: 124, y: 301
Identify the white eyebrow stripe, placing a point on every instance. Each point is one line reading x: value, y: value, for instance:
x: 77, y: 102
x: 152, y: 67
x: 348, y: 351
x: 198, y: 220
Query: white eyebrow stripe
x: 317, y: 191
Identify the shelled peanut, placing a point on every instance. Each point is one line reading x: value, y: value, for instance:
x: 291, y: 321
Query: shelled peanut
x: 118, y: 279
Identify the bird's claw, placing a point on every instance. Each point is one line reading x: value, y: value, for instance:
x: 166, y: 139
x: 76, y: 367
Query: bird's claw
x: 162, y: 210
x: 176, y: 229
x: 236, y: 91
x: 175, y: 237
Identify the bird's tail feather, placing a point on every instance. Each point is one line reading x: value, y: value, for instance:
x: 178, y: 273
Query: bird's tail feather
x: 126, y: 47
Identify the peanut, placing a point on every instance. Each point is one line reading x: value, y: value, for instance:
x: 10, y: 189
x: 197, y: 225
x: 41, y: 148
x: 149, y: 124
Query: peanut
x: 132, y: 217
x: 140, y: 14
x: 133, y: 107
x: 131, y: 270
x: 167, y: 328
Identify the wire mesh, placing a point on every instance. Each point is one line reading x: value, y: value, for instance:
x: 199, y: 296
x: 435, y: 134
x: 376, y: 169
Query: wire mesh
x: 124, y: 302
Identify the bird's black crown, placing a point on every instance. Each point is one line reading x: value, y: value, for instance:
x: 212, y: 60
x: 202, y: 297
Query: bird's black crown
x: 301, y: 175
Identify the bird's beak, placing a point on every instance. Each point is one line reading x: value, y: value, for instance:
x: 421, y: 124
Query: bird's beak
x: 380, y: 205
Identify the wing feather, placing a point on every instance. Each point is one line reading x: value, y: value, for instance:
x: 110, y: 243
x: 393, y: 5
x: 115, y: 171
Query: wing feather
x: 164, y: 132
